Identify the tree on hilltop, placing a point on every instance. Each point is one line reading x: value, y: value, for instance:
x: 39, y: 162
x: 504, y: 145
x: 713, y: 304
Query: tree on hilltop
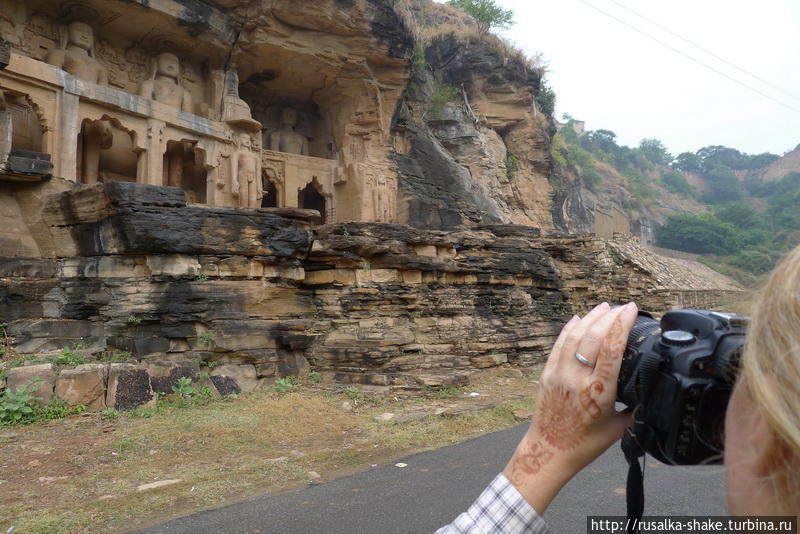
x: 655, y: 151
x: 486, y: 13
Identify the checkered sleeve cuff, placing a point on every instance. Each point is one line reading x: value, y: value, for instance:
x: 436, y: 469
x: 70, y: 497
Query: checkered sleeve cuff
x: 500, y: 509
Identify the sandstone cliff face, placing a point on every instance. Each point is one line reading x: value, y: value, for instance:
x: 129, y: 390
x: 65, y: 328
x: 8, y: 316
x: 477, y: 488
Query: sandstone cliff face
x: 261, y: 294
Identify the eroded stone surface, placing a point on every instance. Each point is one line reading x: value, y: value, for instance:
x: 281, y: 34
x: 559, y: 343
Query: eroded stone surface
x: 128, y: 386
x: 86, y: 385
x: 164, y: 374
x: 43, y: 377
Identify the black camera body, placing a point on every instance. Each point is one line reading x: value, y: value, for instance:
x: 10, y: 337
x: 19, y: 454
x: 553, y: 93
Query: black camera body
x: 677, y: 376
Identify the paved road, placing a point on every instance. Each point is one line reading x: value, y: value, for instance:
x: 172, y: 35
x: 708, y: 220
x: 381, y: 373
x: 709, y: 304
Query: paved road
x: 438, y: 485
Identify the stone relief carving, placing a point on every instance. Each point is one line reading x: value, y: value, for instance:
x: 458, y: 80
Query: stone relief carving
x: 165, y: 84
x: 287, y: 139
x: 383, y: 197
x: 246, y: 174
x: 76, y: 54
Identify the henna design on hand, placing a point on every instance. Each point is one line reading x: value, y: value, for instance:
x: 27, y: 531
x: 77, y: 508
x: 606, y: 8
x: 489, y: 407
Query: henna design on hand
x: 613, y: 346
x: 529, y: 462
x: 560, y: 418
x: 588, y: 399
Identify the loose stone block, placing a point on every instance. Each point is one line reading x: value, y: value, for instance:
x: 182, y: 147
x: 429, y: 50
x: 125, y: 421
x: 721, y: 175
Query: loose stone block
x: 235, y: 379
x: 86, y: 384
x: 43, y: 376
x: 128, y: 386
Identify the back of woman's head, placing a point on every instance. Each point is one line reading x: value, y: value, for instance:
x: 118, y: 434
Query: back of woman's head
x: 771, y: 375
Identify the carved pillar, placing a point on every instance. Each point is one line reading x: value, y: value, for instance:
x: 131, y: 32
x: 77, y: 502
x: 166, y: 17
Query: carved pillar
x: 66, y: 144
x: 292, y: 185
x: 151, y: 172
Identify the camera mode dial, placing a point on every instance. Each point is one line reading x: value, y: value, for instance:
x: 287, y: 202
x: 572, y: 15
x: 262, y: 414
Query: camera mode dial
x: 677, y: 338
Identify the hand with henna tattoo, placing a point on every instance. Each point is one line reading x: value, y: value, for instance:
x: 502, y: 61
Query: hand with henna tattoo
x: 575, y: 419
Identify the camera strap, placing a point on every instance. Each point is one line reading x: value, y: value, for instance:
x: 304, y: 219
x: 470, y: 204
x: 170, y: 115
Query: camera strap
x: 634, y: 494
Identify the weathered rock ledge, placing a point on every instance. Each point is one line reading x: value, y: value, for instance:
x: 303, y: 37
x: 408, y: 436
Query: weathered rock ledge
x: 257, y: 295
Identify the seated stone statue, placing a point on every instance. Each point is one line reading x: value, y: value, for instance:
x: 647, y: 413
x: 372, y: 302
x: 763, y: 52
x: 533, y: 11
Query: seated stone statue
x: 246, y: 174
x: 76, y: 55
x: 164, y: 84
x: 286, y: 139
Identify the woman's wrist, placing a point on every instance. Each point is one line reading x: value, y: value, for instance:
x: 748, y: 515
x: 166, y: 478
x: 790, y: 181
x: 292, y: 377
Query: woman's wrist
x: 538, y: 472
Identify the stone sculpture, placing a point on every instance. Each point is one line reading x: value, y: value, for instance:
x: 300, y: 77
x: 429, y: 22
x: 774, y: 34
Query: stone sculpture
x: 246, y: 174
x: 96, y: 136
x: 77, y: 56
x: 287, y: 139
x: 236, y: 111
x: 164, y: 84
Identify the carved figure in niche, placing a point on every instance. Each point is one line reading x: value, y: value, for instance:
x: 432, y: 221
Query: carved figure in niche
x: 183, y: 167
x: 165, y: 84
x: 269, y: 180
x: 246, y: 174
x: 286, y: 139
x: 106, y: 153
x: 383, y: 200
x: 95, y: 137
x: 77, y: 55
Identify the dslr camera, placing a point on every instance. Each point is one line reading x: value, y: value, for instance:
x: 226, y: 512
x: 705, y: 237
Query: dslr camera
x: 677, y: 376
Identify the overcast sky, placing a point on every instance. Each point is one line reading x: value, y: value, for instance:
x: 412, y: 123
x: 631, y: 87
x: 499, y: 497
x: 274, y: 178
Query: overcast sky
x: 615, y: 78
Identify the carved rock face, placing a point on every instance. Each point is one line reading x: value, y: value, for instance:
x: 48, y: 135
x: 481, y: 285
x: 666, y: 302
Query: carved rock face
x: 169, y: 65
x: 81, y: 35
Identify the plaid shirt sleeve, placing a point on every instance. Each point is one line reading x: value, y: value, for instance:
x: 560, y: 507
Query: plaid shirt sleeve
x: 500, y: 509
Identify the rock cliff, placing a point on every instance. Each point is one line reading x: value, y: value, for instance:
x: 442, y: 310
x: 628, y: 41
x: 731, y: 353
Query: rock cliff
x: 258, y: 294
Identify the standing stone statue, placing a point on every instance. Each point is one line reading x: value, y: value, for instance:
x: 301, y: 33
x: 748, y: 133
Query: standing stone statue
x: 97, y: 136
x: 246, y: 174
x: 164, y: 84
x: 286, y: 139
x: 76, y: 55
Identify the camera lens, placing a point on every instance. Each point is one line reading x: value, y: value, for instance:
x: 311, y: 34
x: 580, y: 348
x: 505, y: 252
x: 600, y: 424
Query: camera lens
x: 644, y: 329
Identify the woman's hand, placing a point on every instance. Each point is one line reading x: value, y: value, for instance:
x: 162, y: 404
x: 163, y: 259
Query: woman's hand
x: 575, y: 419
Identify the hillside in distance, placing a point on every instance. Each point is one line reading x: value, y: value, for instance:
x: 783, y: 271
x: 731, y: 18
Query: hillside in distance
x: 740, y: 212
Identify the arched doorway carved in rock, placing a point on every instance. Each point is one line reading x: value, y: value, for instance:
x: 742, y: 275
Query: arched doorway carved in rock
x: 311, y: 197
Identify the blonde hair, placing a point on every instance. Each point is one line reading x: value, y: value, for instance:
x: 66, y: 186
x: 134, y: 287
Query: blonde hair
x: 771, y: 374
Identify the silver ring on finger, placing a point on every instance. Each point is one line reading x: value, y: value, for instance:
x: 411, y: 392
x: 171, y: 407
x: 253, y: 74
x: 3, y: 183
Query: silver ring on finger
x: 581, y: 358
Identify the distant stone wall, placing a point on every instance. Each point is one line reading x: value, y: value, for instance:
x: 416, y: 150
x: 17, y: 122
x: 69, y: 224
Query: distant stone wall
x: 253, y: 295
x: 610, y: 222
x: 705, y: 299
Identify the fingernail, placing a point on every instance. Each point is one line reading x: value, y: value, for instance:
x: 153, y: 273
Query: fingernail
x: 574, y: 318
x: 630, y: 308
x: 604, y: 306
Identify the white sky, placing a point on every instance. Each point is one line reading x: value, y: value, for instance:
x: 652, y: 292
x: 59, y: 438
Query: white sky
x: 617, y: 79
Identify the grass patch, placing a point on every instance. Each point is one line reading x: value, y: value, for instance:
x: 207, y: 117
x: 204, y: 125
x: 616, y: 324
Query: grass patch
x: 224, y: 448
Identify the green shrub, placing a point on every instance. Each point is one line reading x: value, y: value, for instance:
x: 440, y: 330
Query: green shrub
x: 70, y: 357
x: 487, y: 14
x: 285, y: 384
x: 512, y: 165
x: 699, y: 233
x: 206, y: 339
x: 314, y: 377
x: 442, y: 95
x: 18, y: 407
x: 184, y: 387
x: 676, y: 182
x: 591, y: 178
x: 546, y: 98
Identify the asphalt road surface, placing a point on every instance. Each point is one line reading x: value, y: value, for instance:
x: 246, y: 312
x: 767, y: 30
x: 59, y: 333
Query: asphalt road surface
x: 438, y: 485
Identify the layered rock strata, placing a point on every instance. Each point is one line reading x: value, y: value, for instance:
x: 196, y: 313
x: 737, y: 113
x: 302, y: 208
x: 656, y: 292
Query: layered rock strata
x: 258, y: 294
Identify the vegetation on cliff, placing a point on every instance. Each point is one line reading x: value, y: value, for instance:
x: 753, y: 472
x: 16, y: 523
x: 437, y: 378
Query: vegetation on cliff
x: 743, y: 223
